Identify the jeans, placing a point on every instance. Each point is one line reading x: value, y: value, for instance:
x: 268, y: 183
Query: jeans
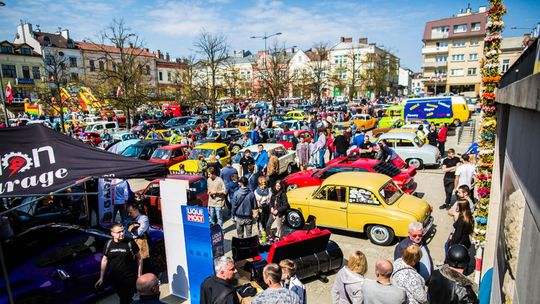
x: 243, y: 224
x: 448, y: 189
x: 279, y: 225
x: 337, y: 154
x: 441, y: 148
x: 321, y: 158
x: 216, y: 212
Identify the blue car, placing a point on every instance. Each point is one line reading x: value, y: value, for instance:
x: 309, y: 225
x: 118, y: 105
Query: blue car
x: 60, y: 263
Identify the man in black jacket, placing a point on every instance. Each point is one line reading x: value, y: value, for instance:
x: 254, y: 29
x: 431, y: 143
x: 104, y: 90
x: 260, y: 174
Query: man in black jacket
x: 416, y: 236
x: 245, y: 161
x: 242, y: 208
x: 448, y: 285
x: 342, y: 144
x: 218, y: 288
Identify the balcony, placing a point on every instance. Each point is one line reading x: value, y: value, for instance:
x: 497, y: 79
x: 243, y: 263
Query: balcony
x: 435, y: 64
x: 434, y: 50
x: 439, y: 35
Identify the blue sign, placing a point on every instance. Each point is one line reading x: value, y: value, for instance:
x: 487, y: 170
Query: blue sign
x: 428, y: 108
x: 199, y: 253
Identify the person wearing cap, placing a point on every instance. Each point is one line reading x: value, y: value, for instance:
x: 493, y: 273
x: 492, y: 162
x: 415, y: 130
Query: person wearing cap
x: 448, y: 284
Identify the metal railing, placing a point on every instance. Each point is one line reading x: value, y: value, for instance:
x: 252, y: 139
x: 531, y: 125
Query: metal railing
x: 523, y: 67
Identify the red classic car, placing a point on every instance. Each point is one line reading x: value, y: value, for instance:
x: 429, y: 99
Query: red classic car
x: 402, y: 177
x: 170, y: 155
x: 151, y: 201
x: 91, y: 138
x: 286, y: 138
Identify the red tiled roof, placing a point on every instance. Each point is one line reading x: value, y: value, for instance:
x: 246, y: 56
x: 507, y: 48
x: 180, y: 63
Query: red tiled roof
x: 88, y: 46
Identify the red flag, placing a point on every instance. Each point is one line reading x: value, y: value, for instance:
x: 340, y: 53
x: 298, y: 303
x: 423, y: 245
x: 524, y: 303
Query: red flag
x: 9, y: 93
x: 430, y: 78
x: 440, y: 78
x: 119, y: 91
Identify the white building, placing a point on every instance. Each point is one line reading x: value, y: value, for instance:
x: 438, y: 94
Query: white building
x: 404, y: 81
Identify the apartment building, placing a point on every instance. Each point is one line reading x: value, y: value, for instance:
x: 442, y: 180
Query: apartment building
x: 511, y: 49
x: 452, y: 51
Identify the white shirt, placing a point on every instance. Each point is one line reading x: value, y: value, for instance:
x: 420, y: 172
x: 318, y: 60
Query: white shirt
x: 465, y: 173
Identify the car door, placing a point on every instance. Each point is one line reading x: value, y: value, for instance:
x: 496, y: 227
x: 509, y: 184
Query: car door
x: 329, y: 206
x: 363, y: 208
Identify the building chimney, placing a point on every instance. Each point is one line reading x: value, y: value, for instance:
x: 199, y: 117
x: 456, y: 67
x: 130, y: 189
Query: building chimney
x: 293, y: 50
x: 469, y: 10
x: 363, y: 40
x: 65, y: 34
x: 342, y: 39
x: 347, y: 39
x: 167, y: 57
x: 158, y: 54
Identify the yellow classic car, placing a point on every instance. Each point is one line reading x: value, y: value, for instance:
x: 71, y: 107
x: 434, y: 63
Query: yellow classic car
x: 161, y: 134
x: 364, y: 121
x: 359, y: 201
x: 297, y: 115
x: 191, y: 163
x: 242, y: 124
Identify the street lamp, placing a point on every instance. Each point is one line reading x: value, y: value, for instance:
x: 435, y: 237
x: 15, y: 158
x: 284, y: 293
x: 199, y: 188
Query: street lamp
x: 265, y: 37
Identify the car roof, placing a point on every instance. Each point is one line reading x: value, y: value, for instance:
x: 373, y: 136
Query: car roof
x: 266, y: 146
x: 211, y: 146
x: 406, y: 135
x: 368, y: 180
x: 149, y: 142
x: 171, y: 147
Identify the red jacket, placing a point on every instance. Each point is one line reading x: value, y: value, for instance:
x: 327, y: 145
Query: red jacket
x: 442, y: 134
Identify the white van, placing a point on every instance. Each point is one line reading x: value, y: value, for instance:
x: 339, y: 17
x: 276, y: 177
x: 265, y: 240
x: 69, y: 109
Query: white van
x: 99, y: 126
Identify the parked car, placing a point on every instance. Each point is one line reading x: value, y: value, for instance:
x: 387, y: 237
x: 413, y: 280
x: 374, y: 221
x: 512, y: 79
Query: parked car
x: 291, y: 124
x: 410, y: 148
x: 359, y: 201
x: 378, y: 131
x: 143, y: 149
x: 120, y: 146
x: 190, y: 164
x: 162, y: 134
x: 226, y: 136
x: 241, y: 123
x: 91, y: 138
x: 287, y: 158
x: 404, y: 178
x: 60, y: 263
x: 364, y: 121
x: 286, y: 137
x: 297, y: 115
x: 177, y: 121
x: 170, y: 154
x: 150, y: 199
x: 99, y: 126
x: 191, y: 124
x: 123, y: 136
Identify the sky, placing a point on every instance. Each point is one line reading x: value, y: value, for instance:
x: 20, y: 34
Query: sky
x: 173, y: 26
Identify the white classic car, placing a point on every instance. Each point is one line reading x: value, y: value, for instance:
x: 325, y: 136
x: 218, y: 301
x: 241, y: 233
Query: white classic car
x: 287, y: 158
x: 411, y: 149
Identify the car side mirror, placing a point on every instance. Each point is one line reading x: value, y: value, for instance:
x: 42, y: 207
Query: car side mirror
x: 62, y: 274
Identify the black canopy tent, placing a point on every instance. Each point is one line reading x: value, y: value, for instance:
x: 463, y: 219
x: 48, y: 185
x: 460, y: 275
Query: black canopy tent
x: 35, y: 160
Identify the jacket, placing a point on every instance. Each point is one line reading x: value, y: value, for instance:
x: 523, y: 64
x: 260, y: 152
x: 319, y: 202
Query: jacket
x: 460, y: 235
x: 280, y: 202
x: 423, y: 269
x: 408, y: 279
x: 243, y: 203
x: 262, y: 196
x: 262, y: 160
x: 347, y: 283
x: 296, y: 286
x: 227, y: 173
x: 273, y: 165
x: 451, y: 287
x: 217, y: 291
x: 216, y: 186
x: 441, y: 137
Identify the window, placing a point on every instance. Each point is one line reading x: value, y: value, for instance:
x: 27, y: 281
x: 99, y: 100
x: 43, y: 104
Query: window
x: 36, y: 72
x: 441, y: 44
x: 160, y: 76
x: 456, y: 72
x: 441, y: 29
x: 505, y: 65
x: 390, y: 193
x: 332, y: 193
x: 47, y: 41
x: 92, y: 65
x: 362, y: 196
x: 26, y: 72
x: 72, y: 62
x: 441, y: 58
x: 458, y: 44
x: 9, y: 71
x: 70, y: 44
x: 7, y: 49
x: 458, y: 57
x: 439, y: 72
x: 26, y: 51
x: 74, y: 77
x: 460, y: 28
x: 147, y: 70
x: 169, y: 76
x: 343, y: 75
x: 341, y: 59
x: 475, y: 43
x: 101, y: 65
x: 471, y: 71
x: 475, y: 26
x: 221, y: 152
x: 404, y: 143
x: 473, y: 56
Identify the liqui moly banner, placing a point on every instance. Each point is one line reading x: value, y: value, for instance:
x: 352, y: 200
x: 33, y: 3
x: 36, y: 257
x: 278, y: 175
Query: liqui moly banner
x: 105, y: 202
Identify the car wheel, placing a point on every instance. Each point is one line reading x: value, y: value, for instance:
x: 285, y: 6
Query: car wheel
x: 158, y: 258
x: 414, y: 162
x: 289, y: 169
x: 235, y: 148
x: 294, y: 219
x: 457, y: 122
x: 380, y: 235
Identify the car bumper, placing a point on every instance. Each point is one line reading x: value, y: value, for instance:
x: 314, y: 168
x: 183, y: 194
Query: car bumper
x: 428, y: 224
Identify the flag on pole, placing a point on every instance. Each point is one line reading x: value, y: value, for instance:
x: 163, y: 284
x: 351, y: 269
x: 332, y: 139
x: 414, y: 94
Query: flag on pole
x: 440, y: 78
x: 9, y: 93
x: 119, y: 91
x: 430, y: 78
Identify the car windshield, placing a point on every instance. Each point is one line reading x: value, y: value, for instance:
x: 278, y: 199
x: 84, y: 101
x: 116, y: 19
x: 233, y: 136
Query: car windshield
x: 238, y: 156
x: 286, y: 137
x: 132, y: 151
x: 215, y: 133
x: 191, y: 122
x: 390, y: 193
x: 289, y: 124
x: 128, y: 136
x: 418, y: 142
x: 196, y: 152
x: 161, y: 154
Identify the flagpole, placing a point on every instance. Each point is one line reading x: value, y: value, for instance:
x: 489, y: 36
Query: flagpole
x: 4, y: 101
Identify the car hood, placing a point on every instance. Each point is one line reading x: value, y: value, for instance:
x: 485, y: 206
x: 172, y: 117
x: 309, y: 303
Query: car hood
x: 206, y: 140
x: 300, y: 194
x: 415, y: 206
x: 190, y: 165
x: 299, y: 176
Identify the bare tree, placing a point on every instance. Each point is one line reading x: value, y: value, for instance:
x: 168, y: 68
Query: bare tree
x: 56, y: 69
x: 231, y: 79
x: 319, y: 56
x: 126, y: 72
x: 354, y: 70
x: 275, y: 72
x: 213, y: 49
